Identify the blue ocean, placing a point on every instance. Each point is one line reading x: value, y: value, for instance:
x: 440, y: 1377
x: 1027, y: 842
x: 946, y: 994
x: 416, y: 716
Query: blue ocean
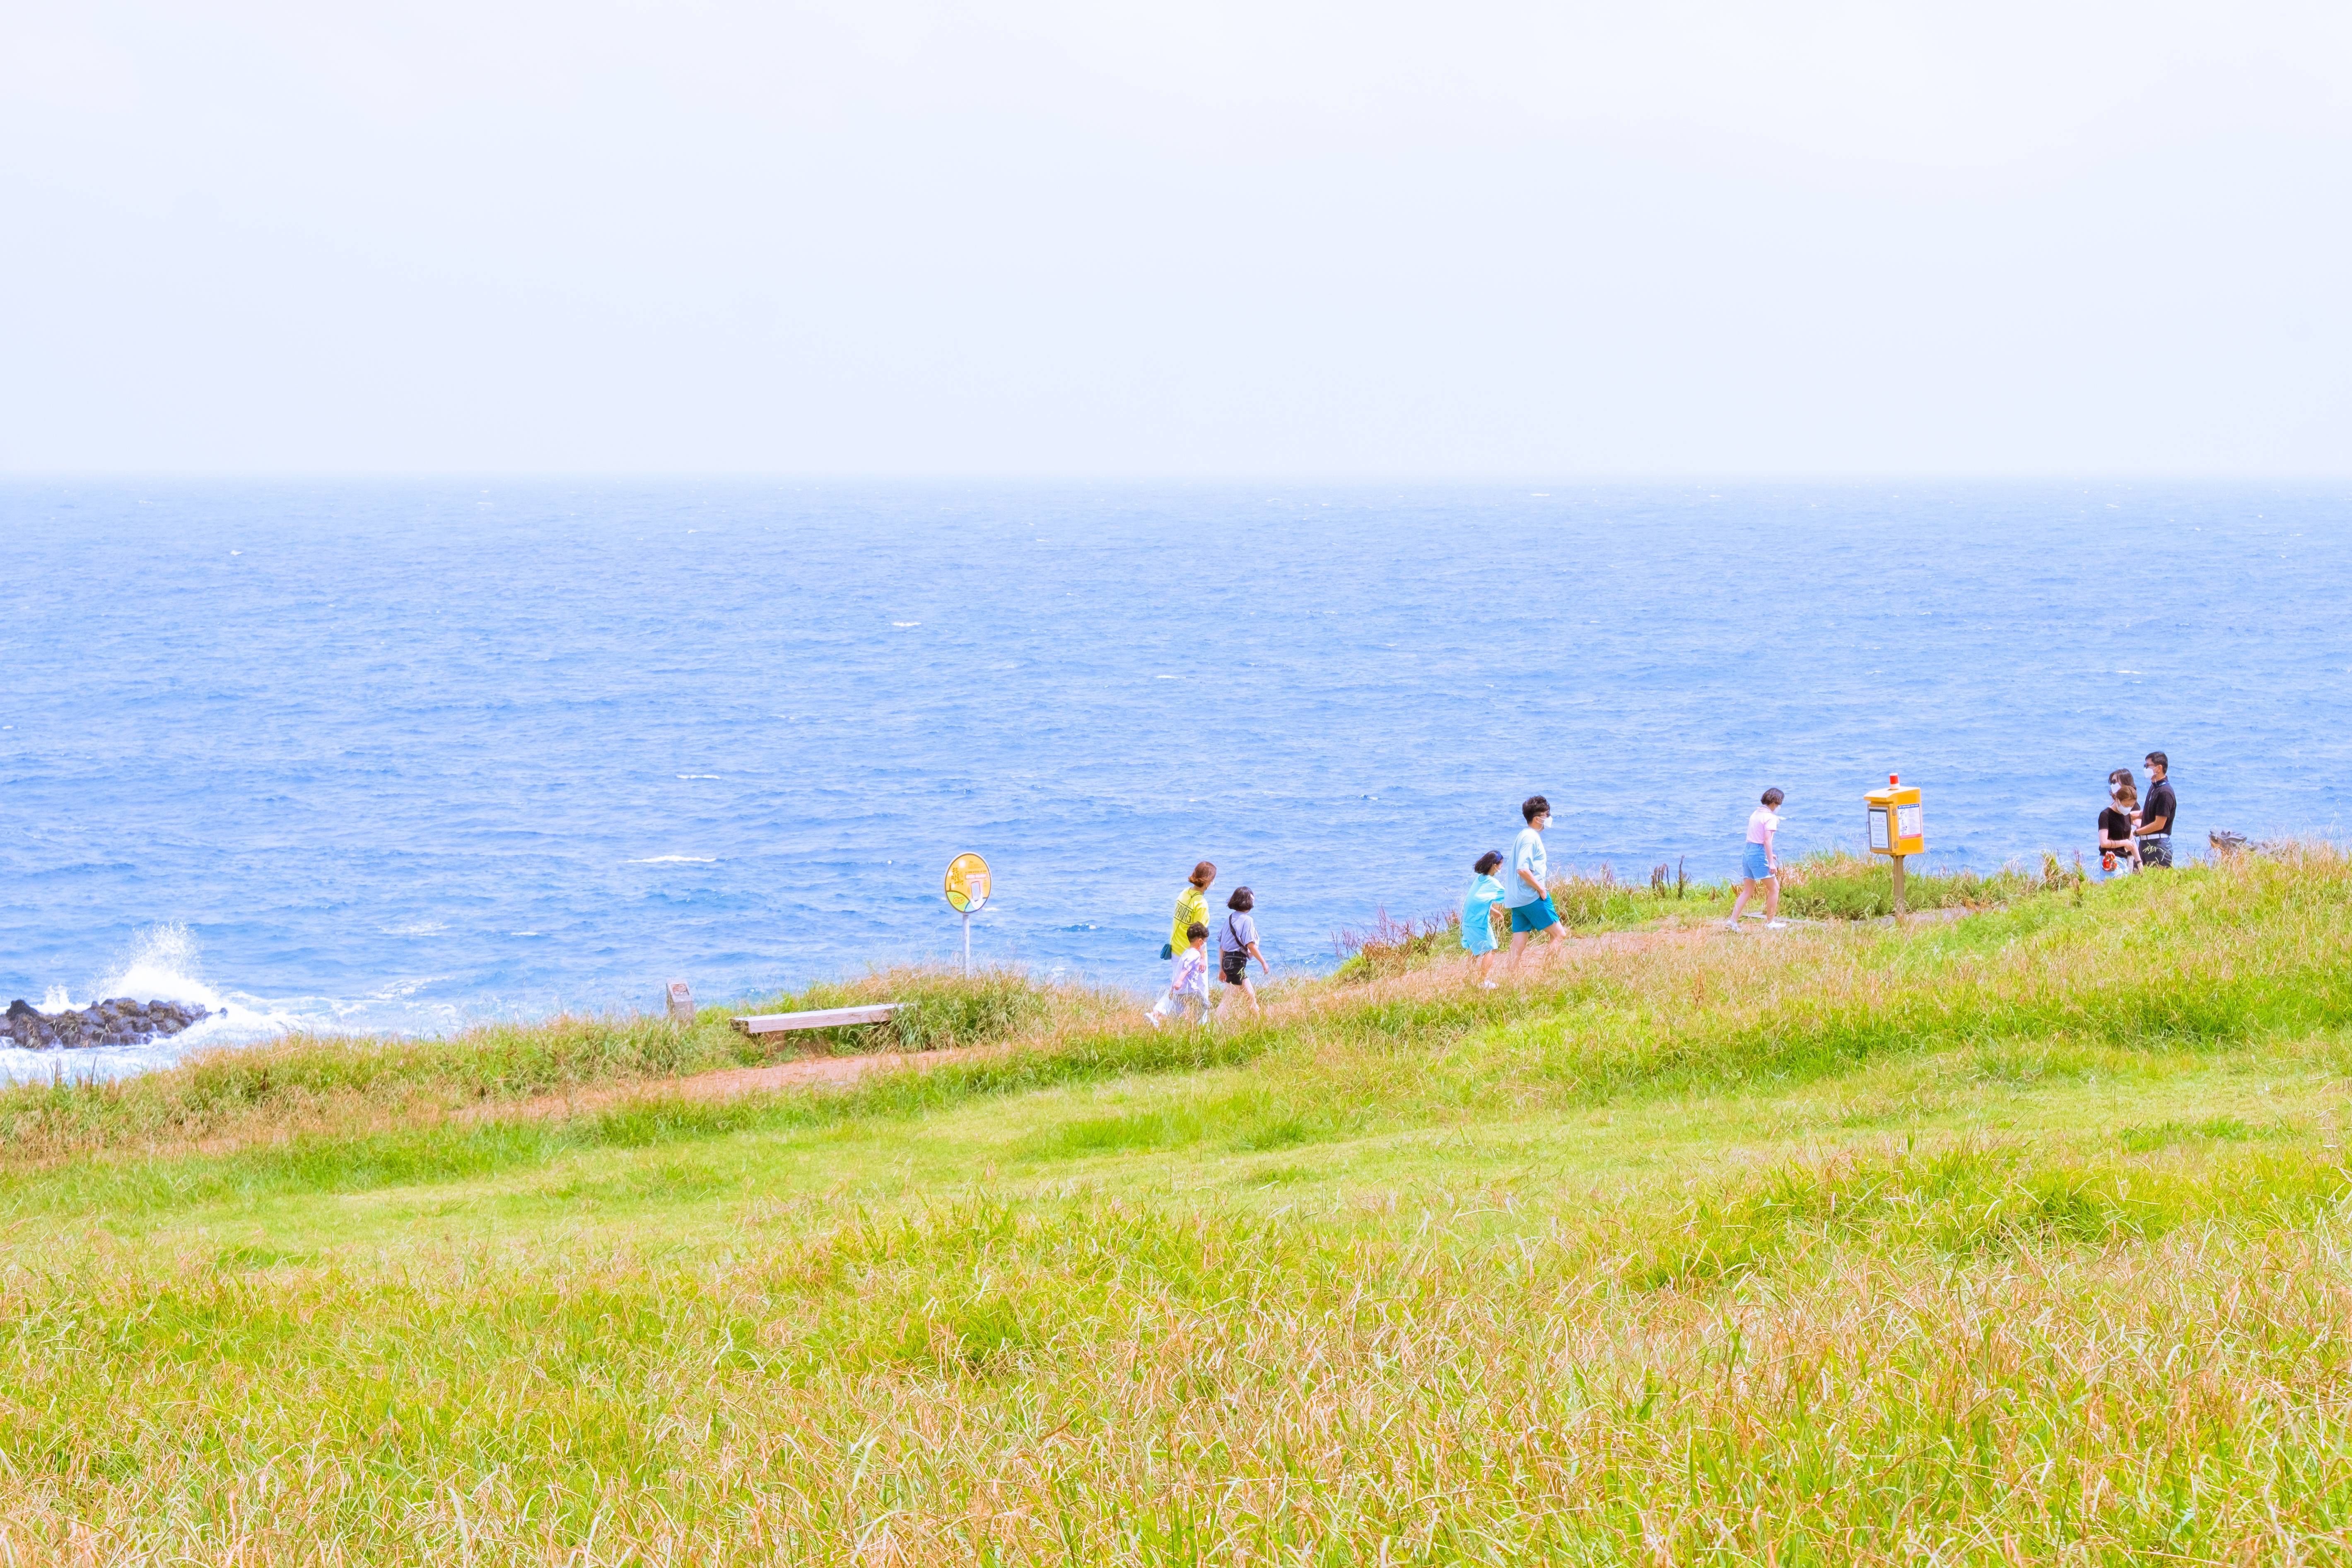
x: 394, y: 757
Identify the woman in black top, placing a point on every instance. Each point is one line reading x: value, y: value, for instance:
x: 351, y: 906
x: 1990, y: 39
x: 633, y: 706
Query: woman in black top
x: 2115, y: 822
x: 1236, y: 945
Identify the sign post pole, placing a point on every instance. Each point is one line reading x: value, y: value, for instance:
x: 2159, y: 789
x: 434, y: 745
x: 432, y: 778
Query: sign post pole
x: 1898, y: 887
x: 967, y: 891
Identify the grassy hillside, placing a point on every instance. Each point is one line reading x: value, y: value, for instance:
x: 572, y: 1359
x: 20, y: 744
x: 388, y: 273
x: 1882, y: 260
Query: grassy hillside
x: 2014, y: 1236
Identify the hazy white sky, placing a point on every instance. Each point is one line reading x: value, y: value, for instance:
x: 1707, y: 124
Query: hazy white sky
x: 1093, y: 238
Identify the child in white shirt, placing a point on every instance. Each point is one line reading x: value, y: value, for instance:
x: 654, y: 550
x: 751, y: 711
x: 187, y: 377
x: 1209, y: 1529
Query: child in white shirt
x: 1188, y: 992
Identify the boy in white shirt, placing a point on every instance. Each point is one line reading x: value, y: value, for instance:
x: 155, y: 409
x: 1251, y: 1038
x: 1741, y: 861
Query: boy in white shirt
x: 1525, y: 894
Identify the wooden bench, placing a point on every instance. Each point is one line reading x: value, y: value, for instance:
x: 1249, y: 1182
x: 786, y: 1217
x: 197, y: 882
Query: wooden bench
x: 824, y: 1019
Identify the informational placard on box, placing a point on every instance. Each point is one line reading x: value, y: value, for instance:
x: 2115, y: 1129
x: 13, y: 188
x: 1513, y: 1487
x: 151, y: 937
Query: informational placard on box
x: 1898, y: 824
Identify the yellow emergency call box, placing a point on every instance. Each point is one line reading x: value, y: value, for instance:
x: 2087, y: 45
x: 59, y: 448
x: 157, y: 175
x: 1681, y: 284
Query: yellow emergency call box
x: 1897, y: 826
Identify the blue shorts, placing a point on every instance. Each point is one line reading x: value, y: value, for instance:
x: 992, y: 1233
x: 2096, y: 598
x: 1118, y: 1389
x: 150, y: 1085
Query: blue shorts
x: 1537, y: 916
x: 1758, y: 865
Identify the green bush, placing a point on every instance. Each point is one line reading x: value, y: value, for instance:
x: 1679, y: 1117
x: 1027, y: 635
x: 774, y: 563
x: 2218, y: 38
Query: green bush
x: 943, y: 1014
x: 1838, y: 885
x: 1390, y: 946
x: 1584, y: 902
x: 941, y: 1011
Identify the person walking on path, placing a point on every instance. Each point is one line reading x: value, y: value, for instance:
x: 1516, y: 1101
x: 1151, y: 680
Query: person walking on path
x: 1191, y: 910
x: 1528, y: 898
x: 1761, y: 864
x: 1236, y: 945
x: 1479, y: 918
x: 1188, y: 988
x: 2156, y: 815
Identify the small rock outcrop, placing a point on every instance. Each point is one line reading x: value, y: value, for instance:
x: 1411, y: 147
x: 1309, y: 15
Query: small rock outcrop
x: 117, y: 1021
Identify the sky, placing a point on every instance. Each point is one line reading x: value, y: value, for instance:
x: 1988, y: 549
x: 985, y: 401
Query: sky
x: 1104, y: 240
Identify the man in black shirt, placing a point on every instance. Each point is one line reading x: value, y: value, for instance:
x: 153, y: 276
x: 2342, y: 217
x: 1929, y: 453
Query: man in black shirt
x: 2156, y: 815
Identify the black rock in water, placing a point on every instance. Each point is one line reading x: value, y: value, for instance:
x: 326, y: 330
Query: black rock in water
x: 117, y: 1021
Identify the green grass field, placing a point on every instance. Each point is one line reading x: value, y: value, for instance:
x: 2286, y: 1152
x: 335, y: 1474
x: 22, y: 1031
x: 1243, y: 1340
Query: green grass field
x: 2022, y: 1236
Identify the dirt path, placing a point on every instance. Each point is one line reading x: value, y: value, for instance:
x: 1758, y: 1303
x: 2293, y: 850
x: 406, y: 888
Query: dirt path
x: 826, y: 1071
x: 727, y: 1084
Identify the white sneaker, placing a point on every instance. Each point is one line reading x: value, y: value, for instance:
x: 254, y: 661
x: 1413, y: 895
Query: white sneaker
x: 1151, y: 1018
x: 1776, y: 925
x: 1486, y: 985
x: 1731, y: 924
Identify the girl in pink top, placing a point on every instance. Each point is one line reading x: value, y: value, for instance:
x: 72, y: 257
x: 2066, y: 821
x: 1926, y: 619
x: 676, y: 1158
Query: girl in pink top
x: 1762, y: 864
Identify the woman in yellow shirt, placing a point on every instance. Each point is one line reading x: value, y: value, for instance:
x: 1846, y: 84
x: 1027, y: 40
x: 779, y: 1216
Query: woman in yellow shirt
x: 1192, y: 909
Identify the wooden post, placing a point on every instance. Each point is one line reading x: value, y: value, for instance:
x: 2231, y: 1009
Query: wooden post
x: 681, y: 1002
x: 1898, y: 887
x: 967, y: 944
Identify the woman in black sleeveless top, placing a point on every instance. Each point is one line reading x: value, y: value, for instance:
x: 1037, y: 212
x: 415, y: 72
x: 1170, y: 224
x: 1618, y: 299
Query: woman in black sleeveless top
x: 2116, y: 822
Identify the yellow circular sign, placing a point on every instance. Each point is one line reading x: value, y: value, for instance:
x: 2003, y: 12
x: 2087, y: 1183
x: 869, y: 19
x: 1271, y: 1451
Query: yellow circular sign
x: 967, y: 883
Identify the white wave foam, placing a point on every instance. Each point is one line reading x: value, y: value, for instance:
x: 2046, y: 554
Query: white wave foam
x: 676, y: 861
x: 697, y: 775
x: 161, y: 965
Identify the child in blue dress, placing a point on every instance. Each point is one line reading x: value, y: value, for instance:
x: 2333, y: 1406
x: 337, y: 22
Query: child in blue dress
x: 1478, y: 917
